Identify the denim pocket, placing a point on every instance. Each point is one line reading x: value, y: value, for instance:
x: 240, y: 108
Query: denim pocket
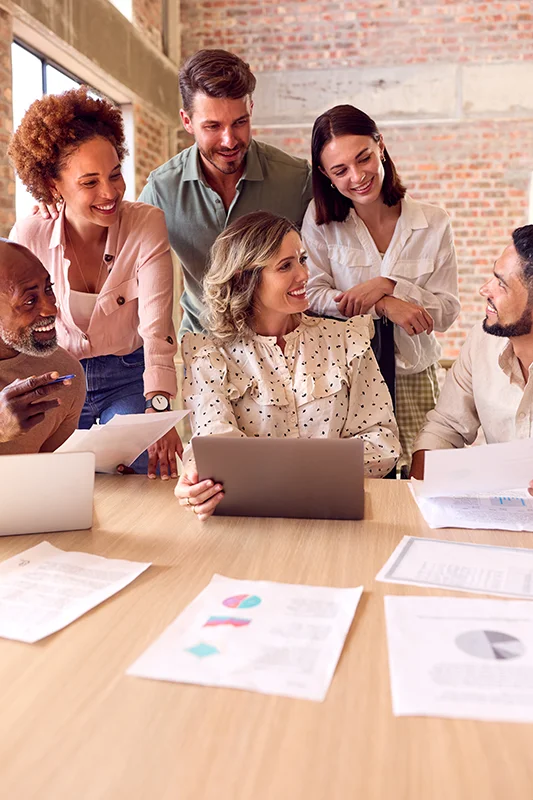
x: 135, y: 359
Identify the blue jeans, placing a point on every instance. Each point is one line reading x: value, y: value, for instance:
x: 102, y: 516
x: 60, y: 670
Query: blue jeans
x: 114, y: 386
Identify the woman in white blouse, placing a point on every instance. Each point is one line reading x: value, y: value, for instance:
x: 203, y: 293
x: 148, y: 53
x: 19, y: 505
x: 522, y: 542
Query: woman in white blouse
x: 266, y: 370
x: 374, y: 250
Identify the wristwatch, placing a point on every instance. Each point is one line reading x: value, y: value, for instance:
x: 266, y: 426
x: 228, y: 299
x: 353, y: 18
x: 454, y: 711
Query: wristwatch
x: 158, y: 402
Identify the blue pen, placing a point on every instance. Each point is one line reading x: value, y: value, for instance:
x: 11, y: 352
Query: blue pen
x: 60, y: 380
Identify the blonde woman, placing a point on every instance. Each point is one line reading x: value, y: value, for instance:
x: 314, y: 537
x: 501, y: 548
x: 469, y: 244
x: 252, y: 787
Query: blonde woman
x: 266, y: 370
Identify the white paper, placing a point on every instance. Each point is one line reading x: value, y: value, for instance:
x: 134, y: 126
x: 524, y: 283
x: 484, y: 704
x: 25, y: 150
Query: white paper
x: 487, y: 469
x: 122, y: 439
x: 461, y: 658
x: 44, y: 589
x: 274, y: 638
x: 461, y: 566
x: 512, y: 512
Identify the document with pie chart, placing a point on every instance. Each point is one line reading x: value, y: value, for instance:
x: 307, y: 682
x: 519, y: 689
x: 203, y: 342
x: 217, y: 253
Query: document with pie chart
x: 274, y: 638
x: 461, y: 658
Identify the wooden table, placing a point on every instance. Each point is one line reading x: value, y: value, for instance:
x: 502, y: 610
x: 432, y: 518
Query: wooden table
x: 74, y: 727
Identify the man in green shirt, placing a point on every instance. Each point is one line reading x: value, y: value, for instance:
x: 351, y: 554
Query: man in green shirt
x: 224, y: 175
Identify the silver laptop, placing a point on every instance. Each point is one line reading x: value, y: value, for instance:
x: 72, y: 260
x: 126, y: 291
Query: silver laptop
x: 266, y: 477
x: 45, y: 492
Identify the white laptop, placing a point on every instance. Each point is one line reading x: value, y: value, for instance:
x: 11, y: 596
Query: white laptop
x: 45, y: 492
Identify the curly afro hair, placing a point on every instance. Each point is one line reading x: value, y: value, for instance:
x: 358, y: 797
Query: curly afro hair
x: 53, y: 128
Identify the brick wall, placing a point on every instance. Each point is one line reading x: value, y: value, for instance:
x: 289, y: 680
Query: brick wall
x: 151, y: 143
x: 455, y: 75
x: 7, y: 183
x: 148, y: 17
x: 307, y: 33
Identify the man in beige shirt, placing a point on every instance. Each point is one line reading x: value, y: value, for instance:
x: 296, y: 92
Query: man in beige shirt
x: 489, y: 385
x: 35, y: 416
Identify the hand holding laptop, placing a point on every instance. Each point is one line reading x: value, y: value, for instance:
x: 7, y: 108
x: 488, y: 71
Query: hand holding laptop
x: 24, y: 403
x: 202, y: 497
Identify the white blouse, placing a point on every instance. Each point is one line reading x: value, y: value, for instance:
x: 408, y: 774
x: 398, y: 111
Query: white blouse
x: 420, y: 259
x: 326, y: 383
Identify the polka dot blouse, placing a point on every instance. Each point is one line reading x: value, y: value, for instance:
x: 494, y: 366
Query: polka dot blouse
x: 326, y: 383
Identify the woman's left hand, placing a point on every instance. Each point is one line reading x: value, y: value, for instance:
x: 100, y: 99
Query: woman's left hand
x: 163, y: 452
x: 362, y: 297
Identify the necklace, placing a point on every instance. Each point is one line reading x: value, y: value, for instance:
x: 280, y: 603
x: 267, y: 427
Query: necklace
x: 80, y: 269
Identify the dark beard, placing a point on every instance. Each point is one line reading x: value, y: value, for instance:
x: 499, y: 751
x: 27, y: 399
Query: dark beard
x: 229, y: 168
x: 521, y: 327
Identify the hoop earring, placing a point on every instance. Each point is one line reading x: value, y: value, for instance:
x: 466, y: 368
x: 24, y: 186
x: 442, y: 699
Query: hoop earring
x: 332, y: 186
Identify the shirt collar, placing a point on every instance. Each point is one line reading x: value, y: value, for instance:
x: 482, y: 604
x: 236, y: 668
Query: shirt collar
x: 253, y: 170
x: 508, y: 362
x: 58, y: 230
x: 412, y: 215
x: 58, y: 237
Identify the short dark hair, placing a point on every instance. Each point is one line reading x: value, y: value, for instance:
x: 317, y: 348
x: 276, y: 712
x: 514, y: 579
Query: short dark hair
x: 215, y: 73
x: 523, y: 244
x: 346, y: 120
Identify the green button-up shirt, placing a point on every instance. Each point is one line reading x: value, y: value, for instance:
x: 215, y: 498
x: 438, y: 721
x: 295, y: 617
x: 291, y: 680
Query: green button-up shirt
x: 195, y: 214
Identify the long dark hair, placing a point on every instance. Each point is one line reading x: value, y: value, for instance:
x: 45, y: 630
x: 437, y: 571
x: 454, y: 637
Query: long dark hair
x: 330, y: 204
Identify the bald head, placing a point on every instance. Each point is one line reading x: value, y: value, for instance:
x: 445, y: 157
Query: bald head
x: 17, y: 263
x: 27, y: 303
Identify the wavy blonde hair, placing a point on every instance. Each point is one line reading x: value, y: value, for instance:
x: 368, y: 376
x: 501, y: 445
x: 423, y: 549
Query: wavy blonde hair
x: 237, y: 259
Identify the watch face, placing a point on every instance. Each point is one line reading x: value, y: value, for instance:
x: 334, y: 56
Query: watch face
x: 160, y: 402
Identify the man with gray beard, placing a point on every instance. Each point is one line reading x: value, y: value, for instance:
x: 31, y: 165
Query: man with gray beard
x: 35, y: 414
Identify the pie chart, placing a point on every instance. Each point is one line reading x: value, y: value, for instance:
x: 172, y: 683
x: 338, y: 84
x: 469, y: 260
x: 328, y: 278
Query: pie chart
x: 490, y: 645
x: 242, y: 601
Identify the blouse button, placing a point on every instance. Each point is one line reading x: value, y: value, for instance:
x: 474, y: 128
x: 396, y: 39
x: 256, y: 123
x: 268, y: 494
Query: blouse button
x: 120, y: 300
x: 84, y: 336
x: 170, y: 340
x: 108, y: 257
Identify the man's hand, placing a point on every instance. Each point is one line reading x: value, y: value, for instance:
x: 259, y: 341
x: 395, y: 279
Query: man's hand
x: 412, y: 318
x: 201, y: 497
x: 46, y: 211
x: 361, y: 298
x: 24, y: 404
x: 163, y: 452
x: 417, y: 465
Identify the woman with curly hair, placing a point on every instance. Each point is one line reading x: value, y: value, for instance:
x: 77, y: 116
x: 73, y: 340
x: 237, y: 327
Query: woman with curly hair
x: 109, y: 260
x: 266, y: 370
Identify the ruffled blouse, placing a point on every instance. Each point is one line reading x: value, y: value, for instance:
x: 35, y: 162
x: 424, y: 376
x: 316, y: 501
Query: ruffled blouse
x: 325, y: 383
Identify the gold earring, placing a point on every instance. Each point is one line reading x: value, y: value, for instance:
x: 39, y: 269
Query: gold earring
x: 383, y: 159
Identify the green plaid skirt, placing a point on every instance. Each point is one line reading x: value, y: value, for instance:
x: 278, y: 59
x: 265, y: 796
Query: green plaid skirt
x: 415, y: 396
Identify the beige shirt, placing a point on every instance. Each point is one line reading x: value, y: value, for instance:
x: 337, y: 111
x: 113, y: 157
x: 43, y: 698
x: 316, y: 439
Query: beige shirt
x: 325, y: 384
x: 485, y: 387
x: 420, y: 259
x: 59, y: 422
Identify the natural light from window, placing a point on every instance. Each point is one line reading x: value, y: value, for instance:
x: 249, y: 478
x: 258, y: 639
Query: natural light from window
x: 32, y: 77
x: 124, y: 6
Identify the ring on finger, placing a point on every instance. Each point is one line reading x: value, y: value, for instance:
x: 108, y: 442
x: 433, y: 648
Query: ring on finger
x: 187, y: 501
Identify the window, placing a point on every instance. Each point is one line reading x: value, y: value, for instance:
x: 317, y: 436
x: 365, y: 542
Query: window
x: 33, y: 76
x: 124, y: 6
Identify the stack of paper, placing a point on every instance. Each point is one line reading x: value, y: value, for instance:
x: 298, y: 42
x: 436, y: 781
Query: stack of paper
x: 274, y: 638
x: 478, y: 487
x: 466, y: 659
x: 122, y: 439
x: 462, y: 566
x: 44, y: 589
